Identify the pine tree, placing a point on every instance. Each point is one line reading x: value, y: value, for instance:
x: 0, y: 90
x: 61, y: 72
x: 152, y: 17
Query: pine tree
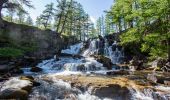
x: 21, y: 15
x: 29, y: 21
x: 11, y: 13
x: 47, y: 15
x: 12, y: 4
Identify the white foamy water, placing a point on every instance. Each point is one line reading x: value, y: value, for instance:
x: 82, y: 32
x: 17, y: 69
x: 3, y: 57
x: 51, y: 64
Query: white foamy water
x: 74, y: 49
x: 111, y: 52
x: 15, y: 83
x: 59, y: 90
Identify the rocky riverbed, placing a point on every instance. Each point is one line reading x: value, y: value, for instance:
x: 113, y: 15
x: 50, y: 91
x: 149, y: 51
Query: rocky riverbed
x: 85, y: 78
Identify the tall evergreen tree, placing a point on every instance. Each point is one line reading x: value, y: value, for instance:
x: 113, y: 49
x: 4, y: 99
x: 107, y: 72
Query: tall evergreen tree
x: 12, y: 4
x: 29, y: 21
x: 47, y: 15
x: 21, y: 15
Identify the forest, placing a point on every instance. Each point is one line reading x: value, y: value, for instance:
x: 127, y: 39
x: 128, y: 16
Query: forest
x: 64, y: 53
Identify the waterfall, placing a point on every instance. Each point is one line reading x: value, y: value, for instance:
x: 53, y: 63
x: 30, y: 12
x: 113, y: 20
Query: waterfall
x: 74, y: 49
x: 52, y: 88
x: 92, y: 49
x: 114, y: 52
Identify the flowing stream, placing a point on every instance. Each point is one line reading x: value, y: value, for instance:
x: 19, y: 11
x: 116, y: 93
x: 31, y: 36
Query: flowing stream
x: 59, y: 90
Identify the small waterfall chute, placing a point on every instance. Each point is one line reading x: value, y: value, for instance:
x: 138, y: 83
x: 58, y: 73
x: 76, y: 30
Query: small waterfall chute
x: 74, y: 49
x: 114, y: 53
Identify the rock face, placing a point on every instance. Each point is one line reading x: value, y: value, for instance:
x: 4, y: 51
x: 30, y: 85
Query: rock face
x: 47, y: 42
x: 104, y: 60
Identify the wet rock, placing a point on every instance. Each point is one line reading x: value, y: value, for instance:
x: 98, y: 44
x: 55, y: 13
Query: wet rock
x: 167, y: 82
x: 121, y: 72
x: 81, y: 67
x: 166, y: 67
x: 30, y: 78
x: 136, y: 64
x: 13, y: 94
x: 104, y: 60
x: 77, y: 56
x: 158, y: 63
x: 18, y: 71
x: 27, y: 88
x: 27, y: 61
x: 163, y: 80
x: 30, y: 59
x: 36, y: 83
x: 158, y: 79
x: 36, y: 69
x: 3, y: 79
x: 6, y: 68
x: 152, y: 78
x: 15, y: 88
x: 112, y: 91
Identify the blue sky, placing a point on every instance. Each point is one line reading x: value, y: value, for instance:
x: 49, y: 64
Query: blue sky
x: 94, y: 8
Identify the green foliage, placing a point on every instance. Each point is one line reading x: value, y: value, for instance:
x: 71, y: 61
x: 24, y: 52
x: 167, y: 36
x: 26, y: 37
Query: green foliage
x: 146, y: 23
x: 131, y: 36
x: 153, y: 44
x: 10, y: 52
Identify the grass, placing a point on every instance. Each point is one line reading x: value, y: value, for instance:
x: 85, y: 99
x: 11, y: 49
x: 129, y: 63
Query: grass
x: 10, y: 52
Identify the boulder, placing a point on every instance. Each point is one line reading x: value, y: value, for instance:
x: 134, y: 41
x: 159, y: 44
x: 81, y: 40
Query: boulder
x: 15, y: 88
x: 136, y: 64
x: 158, y: 63
x: 158, y: 79
x: 30, y: 78
x: 13, y: 94
x: 104, y: 60
x: 166, y: 67
x: 167, y: 82
x: 112, y: 91
x: 36, y: 83
x: 36, y: 69
x: 152, y: 77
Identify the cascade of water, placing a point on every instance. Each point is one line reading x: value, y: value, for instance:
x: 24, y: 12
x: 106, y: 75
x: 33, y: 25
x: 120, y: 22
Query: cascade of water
x: 92, y: 49
x: 114, y: 53
x: 74, y: 49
